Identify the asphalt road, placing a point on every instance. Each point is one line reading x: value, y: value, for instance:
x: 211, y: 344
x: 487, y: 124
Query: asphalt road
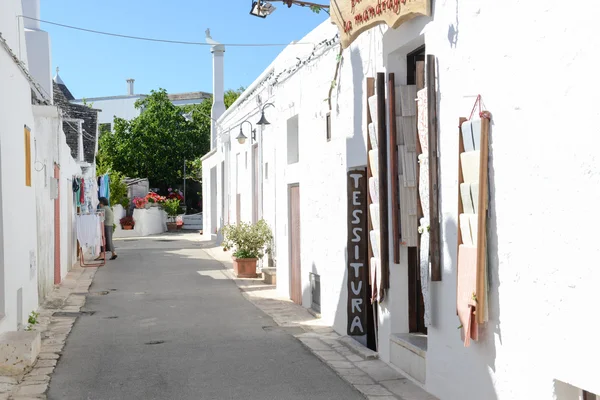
x: 165, y: 331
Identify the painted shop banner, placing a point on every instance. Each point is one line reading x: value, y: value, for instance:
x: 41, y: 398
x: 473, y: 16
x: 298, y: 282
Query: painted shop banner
x: 356, y: 16
x: 357, y: 252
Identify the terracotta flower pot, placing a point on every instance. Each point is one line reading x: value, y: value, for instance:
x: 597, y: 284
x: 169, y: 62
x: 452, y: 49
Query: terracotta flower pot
x: 127, y: 227
x: 244, y: 267
x: 171, y: 226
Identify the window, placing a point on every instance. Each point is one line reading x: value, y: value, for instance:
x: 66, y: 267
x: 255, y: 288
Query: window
x: 328, y: 126
x: 27, y: 156
x: 293, y: 152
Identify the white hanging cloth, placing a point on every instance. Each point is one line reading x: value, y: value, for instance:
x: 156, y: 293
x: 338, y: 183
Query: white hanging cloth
x: 88, y: 230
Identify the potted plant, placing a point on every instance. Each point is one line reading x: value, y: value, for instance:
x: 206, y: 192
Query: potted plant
x: 154, y: 199
x: 249, y: 242
x: 171, y: 206
x: 127, y: 223
x: 140, y: 202
x: 179, y: 222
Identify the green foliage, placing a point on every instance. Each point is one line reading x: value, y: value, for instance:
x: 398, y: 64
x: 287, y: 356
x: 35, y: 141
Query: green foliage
x: 117, y: 185
x: 201, y: 118
x: 171, y: 206
x: 155, y: 144
x: 194, y: 170
x: 32, y: 320
x: 248, y: 240
x: 118, y: 189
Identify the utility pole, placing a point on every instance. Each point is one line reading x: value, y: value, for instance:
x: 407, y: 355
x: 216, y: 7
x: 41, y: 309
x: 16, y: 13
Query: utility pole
x: 184, y: 178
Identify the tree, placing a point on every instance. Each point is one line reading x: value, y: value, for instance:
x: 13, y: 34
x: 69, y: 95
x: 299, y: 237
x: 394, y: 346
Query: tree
x: 155, y: 144
x: 201, y: 118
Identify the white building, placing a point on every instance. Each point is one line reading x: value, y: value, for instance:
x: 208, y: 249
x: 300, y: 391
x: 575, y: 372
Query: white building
x: 37, y: 215
x: 123, y: 106
x: 530, y: 63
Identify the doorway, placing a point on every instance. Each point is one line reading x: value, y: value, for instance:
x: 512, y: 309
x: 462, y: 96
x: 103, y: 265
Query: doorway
x: 294, y: 230
x: 415, y: 62
x: 255, y: 183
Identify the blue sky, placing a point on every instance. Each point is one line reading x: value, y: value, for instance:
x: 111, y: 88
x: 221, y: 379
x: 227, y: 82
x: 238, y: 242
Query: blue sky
x: 93, y: 65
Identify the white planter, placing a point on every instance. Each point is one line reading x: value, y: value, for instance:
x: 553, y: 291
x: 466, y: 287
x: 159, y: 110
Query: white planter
x: 149, y: 221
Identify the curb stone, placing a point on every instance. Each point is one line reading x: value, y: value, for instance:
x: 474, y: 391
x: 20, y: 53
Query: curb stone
x: 68, y: 296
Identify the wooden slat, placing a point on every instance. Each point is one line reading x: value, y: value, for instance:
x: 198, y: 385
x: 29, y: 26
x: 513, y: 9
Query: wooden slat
x: 394, y: 168
x: 434, y: 212
x: 382, y: 147
x: 371, y: 311
x: 461, y: 179
x: 482, y: 220
x: 370, y: 92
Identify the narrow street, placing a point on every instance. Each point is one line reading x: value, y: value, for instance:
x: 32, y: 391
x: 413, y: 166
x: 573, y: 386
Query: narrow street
x: 172, y: 326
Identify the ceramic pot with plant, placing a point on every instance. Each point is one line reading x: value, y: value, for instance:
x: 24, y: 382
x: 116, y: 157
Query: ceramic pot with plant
x: 127, y: 223
x: 249, y: 242
x: 171, y: 206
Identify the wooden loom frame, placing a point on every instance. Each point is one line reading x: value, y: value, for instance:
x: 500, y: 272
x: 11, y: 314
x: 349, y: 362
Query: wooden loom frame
x: 481, y: 298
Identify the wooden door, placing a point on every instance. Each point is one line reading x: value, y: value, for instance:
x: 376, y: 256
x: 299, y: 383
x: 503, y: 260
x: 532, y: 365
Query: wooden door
x: 416, y: 305
x: 57, y: 228
x: 294, y: 229
x: 255, y: 183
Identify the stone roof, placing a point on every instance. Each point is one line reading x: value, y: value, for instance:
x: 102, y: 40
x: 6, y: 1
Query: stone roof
x: 189, y: 96
x: 77, y: 111
x: 63, y: 87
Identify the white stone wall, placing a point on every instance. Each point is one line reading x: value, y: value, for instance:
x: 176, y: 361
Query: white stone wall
x: 533, y: 65
x: 17, y: 208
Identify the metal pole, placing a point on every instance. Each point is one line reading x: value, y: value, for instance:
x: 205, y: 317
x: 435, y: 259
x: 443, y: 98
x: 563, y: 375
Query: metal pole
x: 184, y: 178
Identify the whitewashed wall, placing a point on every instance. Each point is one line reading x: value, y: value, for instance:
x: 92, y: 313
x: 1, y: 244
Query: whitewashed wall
x: 45, y: 155
x: 68, y: 207
x: 533, y: 65
x: 18, y: 218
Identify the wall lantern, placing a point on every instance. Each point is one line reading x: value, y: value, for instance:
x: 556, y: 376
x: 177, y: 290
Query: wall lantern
x: 263, y: 121
x: 261, y: 9
x: 241, y: 138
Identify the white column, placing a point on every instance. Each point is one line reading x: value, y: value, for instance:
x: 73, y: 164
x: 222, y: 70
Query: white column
x: 31, y: 8
x: 218, y: 107
x: 80, y: 156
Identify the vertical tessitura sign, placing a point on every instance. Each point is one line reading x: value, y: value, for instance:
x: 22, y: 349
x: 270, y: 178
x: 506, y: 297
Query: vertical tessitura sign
x: 357, y: 252
x: 356, y: 16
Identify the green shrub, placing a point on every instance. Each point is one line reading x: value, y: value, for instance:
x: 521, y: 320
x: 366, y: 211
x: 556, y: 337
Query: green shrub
x: 171, y: 206
x: 248, y: 240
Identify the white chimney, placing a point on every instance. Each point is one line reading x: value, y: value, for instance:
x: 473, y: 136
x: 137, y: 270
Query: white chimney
x: 130, y: 86
x: 37, y: 41
x: 218, y: 107
x: 31, y: 8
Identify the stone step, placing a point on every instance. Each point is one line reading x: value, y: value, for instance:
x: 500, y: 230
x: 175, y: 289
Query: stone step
x: 191, y: 227
x: 18, y: 351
